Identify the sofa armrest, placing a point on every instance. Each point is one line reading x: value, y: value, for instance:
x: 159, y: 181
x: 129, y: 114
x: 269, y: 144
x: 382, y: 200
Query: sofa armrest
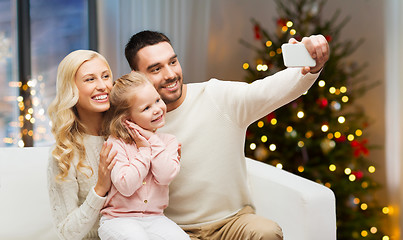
x: 304, y: 209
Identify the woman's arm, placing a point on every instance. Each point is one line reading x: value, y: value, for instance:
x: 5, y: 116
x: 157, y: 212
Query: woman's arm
x: 72, y: 220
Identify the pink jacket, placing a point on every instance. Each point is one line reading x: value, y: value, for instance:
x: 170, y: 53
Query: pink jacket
x: 141, y: 177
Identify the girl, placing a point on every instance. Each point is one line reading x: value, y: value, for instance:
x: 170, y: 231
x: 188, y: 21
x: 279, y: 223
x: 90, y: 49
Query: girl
x: 146, y: 162
x: 79, y: 167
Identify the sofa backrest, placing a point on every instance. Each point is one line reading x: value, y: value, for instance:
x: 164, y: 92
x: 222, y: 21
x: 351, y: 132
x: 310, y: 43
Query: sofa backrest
x: 24, y: 202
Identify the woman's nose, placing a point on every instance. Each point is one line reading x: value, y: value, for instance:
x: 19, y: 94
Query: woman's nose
x: 101, y: 84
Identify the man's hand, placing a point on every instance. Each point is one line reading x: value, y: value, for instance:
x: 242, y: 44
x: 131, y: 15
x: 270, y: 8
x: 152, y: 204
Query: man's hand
x: 318, y: 47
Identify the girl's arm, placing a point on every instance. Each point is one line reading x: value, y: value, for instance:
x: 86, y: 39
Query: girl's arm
x: 165, y: 158
x: 131, y: 166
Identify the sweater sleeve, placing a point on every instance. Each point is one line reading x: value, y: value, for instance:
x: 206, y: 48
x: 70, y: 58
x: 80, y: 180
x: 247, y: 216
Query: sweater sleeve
x: 164, y: 164
x: 131, y: 167
x: 245, y: 103
x: 72, y: 220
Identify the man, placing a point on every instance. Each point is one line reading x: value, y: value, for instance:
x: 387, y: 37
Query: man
x: 209, y: 198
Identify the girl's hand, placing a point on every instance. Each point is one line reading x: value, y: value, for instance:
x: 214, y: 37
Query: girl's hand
x: 106, y: 163
x: 139, y: 135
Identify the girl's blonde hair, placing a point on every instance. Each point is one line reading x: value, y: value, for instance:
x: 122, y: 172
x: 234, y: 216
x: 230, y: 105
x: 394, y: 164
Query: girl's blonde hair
x: 121, y: 97
x: 66, y: 125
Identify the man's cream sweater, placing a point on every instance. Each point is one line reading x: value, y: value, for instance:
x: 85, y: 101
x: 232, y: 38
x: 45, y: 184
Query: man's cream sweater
x: 211, y: 125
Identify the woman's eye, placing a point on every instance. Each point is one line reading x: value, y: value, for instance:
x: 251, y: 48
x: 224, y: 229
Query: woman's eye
x: 106, y: 76
x: 88, y: 79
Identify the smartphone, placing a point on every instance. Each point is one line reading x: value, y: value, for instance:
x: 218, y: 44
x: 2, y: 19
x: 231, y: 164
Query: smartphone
x: 296, y: 55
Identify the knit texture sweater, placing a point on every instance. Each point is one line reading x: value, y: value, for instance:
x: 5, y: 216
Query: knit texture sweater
x: 211, y: 124
x: 74, y: 203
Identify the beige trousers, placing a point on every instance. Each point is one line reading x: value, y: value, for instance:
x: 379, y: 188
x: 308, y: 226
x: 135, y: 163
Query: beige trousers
x: 245, y: 225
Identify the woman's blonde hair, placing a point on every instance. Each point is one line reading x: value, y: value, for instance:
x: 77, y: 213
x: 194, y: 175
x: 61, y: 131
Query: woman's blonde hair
x: 66, y: 125
x: 121, y: 97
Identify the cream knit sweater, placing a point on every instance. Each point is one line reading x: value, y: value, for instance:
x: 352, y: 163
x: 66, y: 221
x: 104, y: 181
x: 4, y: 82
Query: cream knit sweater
x: 211, y: 125
x: 75, y: 205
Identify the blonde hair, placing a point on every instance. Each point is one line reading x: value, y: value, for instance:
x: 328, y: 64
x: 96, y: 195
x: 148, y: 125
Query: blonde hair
x: 66, y: 125
x: 121, y: 102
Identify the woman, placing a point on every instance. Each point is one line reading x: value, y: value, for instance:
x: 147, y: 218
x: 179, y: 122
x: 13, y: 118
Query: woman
x: 80, y: 164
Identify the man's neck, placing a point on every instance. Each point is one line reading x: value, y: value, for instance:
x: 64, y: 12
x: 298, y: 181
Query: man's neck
x: 177, y: 103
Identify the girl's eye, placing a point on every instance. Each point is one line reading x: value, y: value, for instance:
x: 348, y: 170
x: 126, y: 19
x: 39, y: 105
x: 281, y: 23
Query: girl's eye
x: 146, y: 108
x: 158, y: 100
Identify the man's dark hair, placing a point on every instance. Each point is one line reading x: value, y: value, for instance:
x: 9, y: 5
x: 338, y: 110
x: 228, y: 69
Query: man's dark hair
x: 139, y: 41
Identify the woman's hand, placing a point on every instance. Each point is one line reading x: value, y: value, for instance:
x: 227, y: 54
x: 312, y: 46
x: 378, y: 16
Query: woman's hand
x: 106, y: 163
x: 139, y: 135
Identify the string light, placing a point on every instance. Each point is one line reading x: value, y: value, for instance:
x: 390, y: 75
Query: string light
x: 321, y: 83
x: 245, y: 66
x: 332, y: 167
x: 269, y: 43
x: 260, y: 124
x: 279, y: 165
x: 252, y: 146
x: 371, y: 169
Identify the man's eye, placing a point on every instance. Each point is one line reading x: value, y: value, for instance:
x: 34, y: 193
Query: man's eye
x: 106, y: 76
x: 155, y: 69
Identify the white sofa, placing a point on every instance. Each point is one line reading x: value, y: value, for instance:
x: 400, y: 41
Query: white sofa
x: 304, y: 209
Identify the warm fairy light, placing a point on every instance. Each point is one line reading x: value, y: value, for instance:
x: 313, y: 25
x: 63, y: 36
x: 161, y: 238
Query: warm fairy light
x: 337, y: 92
x: 328, y: 184
x: 356, y: 201
x: 272, y: 53
x: 343, y: 89
x: 358, y: 132
x: 344, y: 99
x: 272, y: 147
x: 289, y: 24
x: 301, y: 144
x: 321, y: 83
x: 364, y: 206
x: 279, y: 165
x: 332, y: 167
x: 260, y: 124
x: 324, y: 128
x: 371, y: 169
x: 245, y: 66
x: 364, y: 185
x: 347, y: 171
x: 301, y: 169
x: 309, y: 134
x: 279, y: 51
x: 263, y: 138
x: 21, y: 144
x: 337, y: 134
x: 30, y: 110
x: 332, y: 90
x: 20, y: 98
x: 364, y: 233
x: 300, y: 114
x: 330, y: 135
x: 293, y: 31
x: 252, y: 146
x: 269, y: 43
x: 289, y: 129
x: 385, y: 238
x: 352, y: 178
x: 284, y: 28
x: 28, y: 116
x: 341, y: 119
x: 273, y: 121
x: 373, y: 230
x: 385, y: 210
x: 350, y: 137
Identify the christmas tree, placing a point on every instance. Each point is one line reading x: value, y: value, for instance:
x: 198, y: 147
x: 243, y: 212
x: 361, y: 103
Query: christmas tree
x: 321, y: 135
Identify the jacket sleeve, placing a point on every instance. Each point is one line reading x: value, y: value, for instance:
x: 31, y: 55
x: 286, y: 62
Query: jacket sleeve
x: 131, y: 167
x: 72, y: 220
x: 245, y: 103
x: 164, y: 164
